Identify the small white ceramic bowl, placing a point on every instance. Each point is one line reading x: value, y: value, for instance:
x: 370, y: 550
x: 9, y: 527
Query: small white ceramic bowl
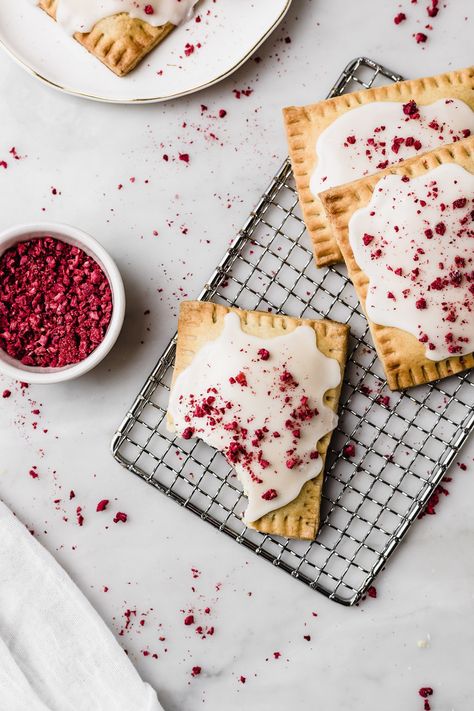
x: 72, y: 235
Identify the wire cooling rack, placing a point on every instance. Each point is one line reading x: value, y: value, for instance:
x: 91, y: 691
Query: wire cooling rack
x: 403, y: 444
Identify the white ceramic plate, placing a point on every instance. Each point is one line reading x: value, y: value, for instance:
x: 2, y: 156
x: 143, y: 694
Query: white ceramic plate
x: 229, y: 32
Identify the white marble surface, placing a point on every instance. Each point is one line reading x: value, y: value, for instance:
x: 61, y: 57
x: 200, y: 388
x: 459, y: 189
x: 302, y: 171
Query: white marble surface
x: 361, y: 658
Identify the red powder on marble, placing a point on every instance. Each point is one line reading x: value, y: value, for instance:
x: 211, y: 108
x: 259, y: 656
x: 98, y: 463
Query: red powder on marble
x: 55, y: 303
x: 120, y: 516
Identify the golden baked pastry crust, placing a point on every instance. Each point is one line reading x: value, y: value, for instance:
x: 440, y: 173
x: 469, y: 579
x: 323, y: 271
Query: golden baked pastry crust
x: 119, y: 41
x: 402, y: 356
x: 304, y: 125
x: 200, y: 322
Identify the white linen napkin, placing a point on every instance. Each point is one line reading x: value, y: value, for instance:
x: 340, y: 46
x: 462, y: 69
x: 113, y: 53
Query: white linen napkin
x: 56, y: 653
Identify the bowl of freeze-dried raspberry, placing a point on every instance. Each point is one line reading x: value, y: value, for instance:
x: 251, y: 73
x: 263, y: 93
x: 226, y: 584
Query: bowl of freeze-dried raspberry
x: 62, y: 302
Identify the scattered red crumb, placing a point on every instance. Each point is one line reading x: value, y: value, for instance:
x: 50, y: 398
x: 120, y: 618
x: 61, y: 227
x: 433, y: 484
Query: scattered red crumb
x: 424, y: 692
x: 188, y: 49
x: 80, y: 517
x: 184, y: 157
x: 33, y: 474
x: 270, y: 494
x: 242, y: 92
x: 102, y: 505
x: 433, y: 501
x: 242, y: 679
x: 462, y: 466
x: 3, y: 164
x: 196, y: 671
x: 55, y: 303
x: 222, y: 113
x: 6, y: 393
x: 420, y: 37
x: 120, y: 516
x: 149, y: 9
x: 410, y: 108
x: 349, y: 450
x: 372, y: 591
x: 71, y: 494
x: 189, y: 620
x: 307, y: 637
x: 399, y: 18
x: 277, y: 655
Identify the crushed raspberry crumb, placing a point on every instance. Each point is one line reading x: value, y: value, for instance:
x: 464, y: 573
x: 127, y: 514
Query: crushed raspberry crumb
x: 102, y: 505
x: 149, y: 10
x: 241, y: 379
x: 372, y: 591
x: 410, y: 108
x: 196, y: 671
x: 120, y: 516
x: 367, y: 239
x: 264, y: 354
x: 222, y: 113
x: 242, y: 679
x: 6, y: 393
x: 421, y: 303
x: 425, y: 691
x: 184, y: 157
x: 460, y: 203
x: 55, y: 303
x: 187, y: 433
x: 349, y: 450
x: 351, y: 140
x: 420, y: 37
x: 189, y: 620
x: 80, y: 517
x: 270, y: 494
x: 399, y: 18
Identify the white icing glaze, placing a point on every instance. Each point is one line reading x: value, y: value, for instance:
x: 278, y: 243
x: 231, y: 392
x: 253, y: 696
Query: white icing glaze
x: 262, y: 461
x: 374, y: 127
x: 82, y: 15
x: 398, y: 231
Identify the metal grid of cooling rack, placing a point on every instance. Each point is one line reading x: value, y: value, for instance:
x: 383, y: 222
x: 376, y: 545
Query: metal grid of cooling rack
x: 403, y: 445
